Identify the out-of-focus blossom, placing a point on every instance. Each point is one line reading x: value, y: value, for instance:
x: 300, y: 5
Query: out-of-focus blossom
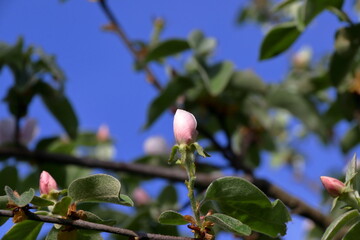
x: 27, y: 132
x: 333, y: 186
x: 140, y: 196
x: 47, y: 183
x: 156, y: 145
x: 184, y: 127
x: 103, y: 133
x: 302, y: 58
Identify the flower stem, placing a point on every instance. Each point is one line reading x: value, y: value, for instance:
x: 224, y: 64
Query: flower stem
x: 190, y: 169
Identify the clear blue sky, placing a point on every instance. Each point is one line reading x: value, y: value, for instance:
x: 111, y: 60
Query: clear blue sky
x: 104, y: 88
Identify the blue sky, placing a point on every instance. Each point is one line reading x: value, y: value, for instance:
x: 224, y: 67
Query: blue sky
x: 104, y: 88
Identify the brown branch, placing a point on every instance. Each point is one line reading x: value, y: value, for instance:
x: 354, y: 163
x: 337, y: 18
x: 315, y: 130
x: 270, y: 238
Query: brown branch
x: 116, y: 27
x: 94, y: 226
x: 202, y: 180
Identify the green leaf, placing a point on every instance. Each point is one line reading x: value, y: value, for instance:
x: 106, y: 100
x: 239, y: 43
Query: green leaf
x: 41, y: 202
x: 61, y: 207
x: 53, y: 234
x: 4, y: 200
x: 201, y: 45
x: 8, y: 176
x: 219, y: 76
x: 313, y: 8
x: 353, y: 233
x: 168, y: 197
x: 25, y: 230
x: 171, y: 218
x: 60, y: 107
x: 350, y: 139
x: 278, y: 39
x: 3, y: 220
x: 96, y: 188
x: 167, y: 98
x: 229, y: 224
x: 343, y: 220
x: 243, y: 201
x: 167, y: 48
x: 23, y: 200
x: 126, y: 200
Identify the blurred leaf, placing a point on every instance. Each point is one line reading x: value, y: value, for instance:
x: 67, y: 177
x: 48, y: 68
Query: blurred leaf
x: 167, y: 98
x: 243, y: 201
x: 8, y: 176
x: 41, y: 202
x: 25, y: 230
x: 18, y: 99
x: 350, y: 139
x: 278, y: 39
x: 61, y: 207
x: 172, y: 218
x: 297, y: 105
x: 229, y: 224
x: 167, y: 48
x: 104, y: 188
x: 338, y: 223
x: 353, y: 233
x: 313, y: 8
x: 91, y: 217
x: 168, y: 198
x: 60, y: 107
x: 22, y: 200
x: 248, y: 81
x: 53, y: 234
x: 201, y: 45
x: 3, y: 220
x: 220, y: 75
x: 347, y: 45
x: 4, y: 200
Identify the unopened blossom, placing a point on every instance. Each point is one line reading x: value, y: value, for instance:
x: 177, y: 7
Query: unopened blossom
x: 155, y: 145
x: 184, y: 127
x: 103, y: 133
x: 302, y: 58
x: 47, y: 183
x: 7, y: 130
x: 28, y: 131
x: 333, y: 186
x: 140, y: 196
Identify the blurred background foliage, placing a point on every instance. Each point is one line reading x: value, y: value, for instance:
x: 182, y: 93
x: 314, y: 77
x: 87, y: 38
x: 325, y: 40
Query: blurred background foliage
x: 240, y: 116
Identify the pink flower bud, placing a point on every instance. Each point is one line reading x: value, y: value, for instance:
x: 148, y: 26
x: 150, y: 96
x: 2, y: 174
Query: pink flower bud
x: 103, y: 133
x: 47, y: 183
x: 140, y: 196
x: 156, y: 145
x: 184, y: 127
x: 333, y: 186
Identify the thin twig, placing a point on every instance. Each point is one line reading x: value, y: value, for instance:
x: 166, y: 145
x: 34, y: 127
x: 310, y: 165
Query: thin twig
x: 121, y: 33
x: 94, y: 226
x: 202, y: 180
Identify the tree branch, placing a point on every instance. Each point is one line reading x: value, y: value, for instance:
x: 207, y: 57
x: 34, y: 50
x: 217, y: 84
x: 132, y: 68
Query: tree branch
x: 94, y: 226
x: 202, y: 180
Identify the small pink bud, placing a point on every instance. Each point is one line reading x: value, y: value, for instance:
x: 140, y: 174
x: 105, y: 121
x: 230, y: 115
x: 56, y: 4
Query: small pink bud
x: 140, y: 196
x: 47, y: 183
x: 333, y: 186
x: 103, y: 133
x: 184, y: 127
x: 156, y: 145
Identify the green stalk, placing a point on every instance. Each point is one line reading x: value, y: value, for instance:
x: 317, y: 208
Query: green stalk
x: 190, y: 169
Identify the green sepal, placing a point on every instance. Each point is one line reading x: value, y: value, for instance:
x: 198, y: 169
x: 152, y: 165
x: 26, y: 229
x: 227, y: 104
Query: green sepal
x: 173, y: 153
x: 200, y: 150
